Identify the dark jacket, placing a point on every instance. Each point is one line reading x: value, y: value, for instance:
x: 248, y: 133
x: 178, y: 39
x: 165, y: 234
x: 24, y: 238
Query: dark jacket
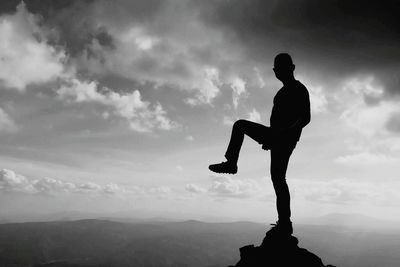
x: 290, y: 112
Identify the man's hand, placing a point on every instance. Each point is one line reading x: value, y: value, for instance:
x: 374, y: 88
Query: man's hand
x: 266, y: 147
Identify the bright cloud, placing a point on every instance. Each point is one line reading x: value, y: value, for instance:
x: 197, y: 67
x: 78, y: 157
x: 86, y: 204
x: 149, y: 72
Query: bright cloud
x: 318, y: 100
x: 208, y: 87
x: 254, y: 116
x: 194, y: 53
x: 12, y: 182
x: 189, y: 138
x: 228, y: 121
x: 142, y: 40
x: 260, y: 79
x: 359, y: 114
x: 366, y: 158
x: 193, y: 188
x: 346, y: 191
x: 15, y: 183
x: 142, y: 117
x: 238, y: 86
x: 318, y: 95
x: 145, y: 54
x: 171, y: 50
x: 226, y: 187
x: 25, y: 56
x: 7, y: 124
x: 369, y: 120
x: 160, y: 190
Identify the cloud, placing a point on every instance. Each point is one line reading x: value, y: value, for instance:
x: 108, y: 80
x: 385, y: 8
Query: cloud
x: 228, y: 121
x: 112, y: 189
x: 189, y: 138
x: 346, y: 191
x: 393, y: 122
x: 11, y: 182
x: 28, y: 58
x: 260, y: 79
x: 368, y: 120
x: 164, y: 51
x: 164, y: 47
x: 208, y: 87
x: 7, y: 124
x: 52, y: 186
x: 25, y: 57
x: 196, y: 189
x: 160, y: 191
x: 254, y: 116
x: 318, y: 99
x: 226, y: 187
x: 365, y: 158
x: 366, y: 86
x: 88, y: 187
x: 238, y: 86
x: 163, y: 41
x: 142, y: 117
x: 366, y: 117
x: 329, y: 40
x: 179, y: 168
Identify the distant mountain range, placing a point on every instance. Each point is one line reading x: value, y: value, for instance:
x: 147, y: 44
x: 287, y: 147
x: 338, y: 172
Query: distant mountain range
x: 105, y: 243
x: 354, y: 220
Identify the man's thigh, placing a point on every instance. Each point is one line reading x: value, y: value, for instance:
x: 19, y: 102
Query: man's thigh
x: 256, y: 131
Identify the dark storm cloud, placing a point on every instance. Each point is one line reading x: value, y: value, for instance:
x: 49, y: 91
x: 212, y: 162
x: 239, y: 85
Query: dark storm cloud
x: 338, y: 37
x: 76, y: 24
x: 324, y: 26
x: 69, y: 22
x: 45, y: 7
x: 335, y: 38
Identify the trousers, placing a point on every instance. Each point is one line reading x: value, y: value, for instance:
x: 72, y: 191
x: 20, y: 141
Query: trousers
x: 281, y: 151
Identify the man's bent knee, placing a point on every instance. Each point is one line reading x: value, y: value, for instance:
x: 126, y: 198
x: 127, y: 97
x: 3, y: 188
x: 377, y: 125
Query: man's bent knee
x: 239, y: 124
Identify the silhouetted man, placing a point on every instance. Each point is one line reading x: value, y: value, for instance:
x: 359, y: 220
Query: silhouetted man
x: 290, y: 113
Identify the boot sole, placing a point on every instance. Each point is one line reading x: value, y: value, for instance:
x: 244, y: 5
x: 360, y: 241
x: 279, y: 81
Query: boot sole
x: 222, y: 172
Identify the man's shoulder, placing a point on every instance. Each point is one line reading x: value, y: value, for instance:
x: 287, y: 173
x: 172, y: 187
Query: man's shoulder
x: 301, y: 88
x: 300, y: 85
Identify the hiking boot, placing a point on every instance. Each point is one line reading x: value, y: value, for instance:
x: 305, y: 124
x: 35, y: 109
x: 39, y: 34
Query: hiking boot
x: 224, y: 167
x: 282, y: 228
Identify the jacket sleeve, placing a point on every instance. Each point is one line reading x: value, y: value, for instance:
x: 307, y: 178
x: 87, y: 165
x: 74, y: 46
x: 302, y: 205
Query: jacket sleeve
x: 301, y: 111
x: 305, y: 109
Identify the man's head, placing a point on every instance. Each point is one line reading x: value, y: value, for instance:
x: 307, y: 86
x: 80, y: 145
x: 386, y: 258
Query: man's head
x: 283, y: 67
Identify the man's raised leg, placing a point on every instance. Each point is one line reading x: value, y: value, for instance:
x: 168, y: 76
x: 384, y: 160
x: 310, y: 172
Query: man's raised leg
x: 256, y: 131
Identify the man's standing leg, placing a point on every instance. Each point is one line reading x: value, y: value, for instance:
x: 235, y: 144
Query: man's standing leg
x: 280, y: 155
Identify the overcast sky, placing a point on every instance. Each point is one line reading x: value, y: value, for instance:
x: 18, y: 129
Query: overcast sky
x: 120, y: 106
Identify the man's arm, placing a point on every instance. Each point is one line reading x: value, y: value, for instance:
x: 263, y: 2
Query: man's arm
x: 301, y: 122
x: 302, y: 114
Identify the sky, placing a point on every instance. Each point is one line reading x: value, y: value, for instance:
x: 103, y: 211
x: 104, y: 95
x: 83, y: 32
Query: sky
x: 118, y: 107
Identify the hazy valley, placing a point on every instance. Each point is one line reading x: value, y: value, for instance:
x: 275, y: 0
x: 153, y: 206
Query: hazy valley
x: 98, y: 242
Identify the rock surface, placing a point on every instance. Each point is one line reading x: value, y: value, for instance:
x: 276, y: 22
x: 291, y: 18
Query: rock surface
x: 278, y: 250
